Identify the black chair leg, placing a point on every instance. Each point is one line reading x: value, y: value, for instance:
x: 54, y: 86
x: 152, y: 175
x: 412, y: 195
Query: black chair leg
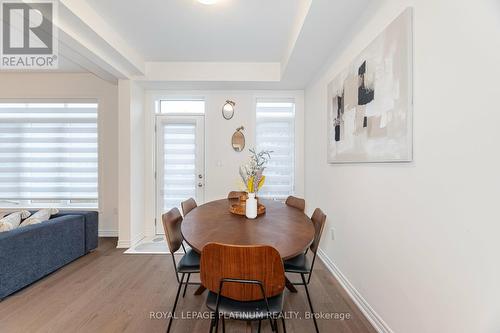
x: 175, y: 303
x: 223, y: 325
x: 283, y: 323
x: 310, y: 303
x: 212, y: 325
x: 217, y: 323
x: 260, y: 324
x: 272, y: 324
x: 186, y: 285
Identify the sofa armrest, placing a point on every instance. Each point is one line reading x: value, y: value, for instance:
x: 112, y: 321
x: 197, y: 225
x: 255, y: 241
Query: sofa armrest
x: 91, y: 219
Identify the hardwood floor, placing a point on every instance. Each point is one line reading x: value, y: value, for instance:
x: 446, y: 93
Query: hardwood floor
x: 106, y: 291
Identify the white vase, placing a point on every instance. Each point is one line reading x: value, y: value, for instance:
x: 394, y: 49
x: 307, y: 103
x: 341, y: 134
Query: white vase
x: 251, y: 206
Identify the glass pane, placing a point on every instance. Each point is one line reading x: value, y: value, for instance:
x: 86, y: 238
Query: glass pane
x: 179, y: 171
x: 182, y: 107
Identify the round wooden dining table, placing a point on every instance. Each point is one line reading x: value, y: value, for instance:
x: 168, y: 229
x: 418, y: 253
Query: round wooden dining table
x: 285, y: 228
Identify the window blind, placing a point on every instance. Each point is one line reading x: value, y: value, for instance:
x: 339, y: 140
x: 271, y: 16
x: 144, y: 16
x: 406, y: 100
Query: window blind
x: 48, y: 154
x: 275, y: 131
x: 179, y: 182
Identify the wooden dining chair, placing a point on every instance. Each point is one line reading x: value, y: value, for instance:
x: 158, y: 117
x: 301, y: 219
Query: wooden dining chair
x: 301, y: 263
x: 190, y: 261
x: 236, y: 194
x: 296, y: 202
x: 244, y: 283
x: 188, y: 206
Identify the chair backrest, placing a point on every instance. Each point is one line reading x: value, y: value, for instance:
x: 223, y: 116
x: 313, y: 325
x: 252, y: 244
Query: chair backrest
x: 318, y: 219
x: 172, y: 227
x: 255, y: 262
x: 188, y: 206
x: 296, y: 202
x: 236, y: 194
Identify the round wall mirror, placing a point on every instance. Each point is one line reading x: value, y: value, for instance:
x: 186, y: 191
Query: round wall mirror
x: 238, y: 139
x: 228, y: 109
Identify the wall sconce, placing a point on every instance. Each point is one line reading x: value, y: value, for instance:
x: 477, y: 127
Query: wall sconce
x: 228, y: 109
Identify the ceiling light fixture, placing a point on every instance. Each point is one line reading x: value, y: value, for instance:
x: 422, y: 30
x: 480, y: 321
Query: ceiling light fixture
x: 207, y: 2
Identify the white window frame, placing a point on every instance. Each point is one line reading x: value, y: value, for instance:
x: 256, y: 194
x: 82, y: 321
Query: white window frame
x: 157, y: 98
x: 189, y: 99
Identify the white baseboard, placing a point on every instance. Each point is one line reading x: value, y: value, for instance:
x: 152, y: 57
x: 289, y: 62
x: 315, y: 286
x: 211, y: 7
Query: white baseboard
x: 136, y: 240
x: 123, y: 244
x: 374, y: 318
x: 108, y: 233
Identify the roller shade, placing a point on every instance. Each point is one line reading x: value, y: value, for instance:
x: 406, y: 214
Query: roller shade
x: 275, y: 131
x: 48, y: 153
x: 179, y: 172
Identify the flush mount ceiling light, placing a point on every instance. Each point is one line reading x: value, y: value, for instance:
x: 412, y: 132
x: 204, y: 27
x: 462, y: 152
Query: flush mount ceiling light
x: 207, y: 2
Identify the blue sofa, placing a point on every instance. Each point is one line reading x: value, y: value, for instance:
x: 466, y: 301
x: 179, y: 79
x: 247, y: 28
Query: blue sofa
x: 29, y: 253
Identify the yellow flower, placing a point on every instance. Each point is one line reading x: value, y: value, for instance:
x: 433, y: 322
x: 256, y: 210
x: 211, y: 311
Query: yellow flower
x: 261, y: 182
x: 250, y: 185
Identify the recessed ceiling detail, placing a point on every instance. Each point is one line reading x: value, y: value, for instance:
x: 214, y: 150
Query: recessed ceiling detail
x: 182, y: 30
x: 258, y: 44
x: 207, y: 2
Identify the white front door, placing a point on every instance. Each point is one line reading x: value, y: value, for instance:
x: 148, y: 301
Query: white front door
x: 180, y: 167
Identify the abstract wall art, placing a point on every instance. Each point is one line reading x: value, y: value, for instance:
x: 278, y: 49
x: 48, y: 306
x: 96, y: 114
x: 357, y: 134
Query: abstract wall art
x: 370, y: 102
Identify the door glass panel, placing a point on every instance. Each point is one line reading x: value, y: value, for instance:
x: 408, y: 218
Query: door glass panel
x: 179, y: 167
x: 179, y: 162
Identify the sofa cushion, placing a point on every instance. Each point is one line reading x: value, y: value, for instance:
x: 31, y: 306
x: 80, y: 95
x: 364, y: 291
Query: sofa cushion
x: 40, y: 216
x: 13, y: 220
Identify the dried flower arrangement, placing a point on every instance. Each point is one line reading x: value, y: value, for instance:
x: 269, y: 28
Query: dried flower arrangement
x: 252, y: 173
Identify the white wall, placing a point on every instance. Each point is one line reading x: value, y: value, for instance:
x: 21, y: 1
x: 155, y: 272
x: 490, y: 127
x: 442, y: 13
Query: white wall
x: 221, y: 161
x: 419, y: 241
x: 124, y: 171
x: 137, y: 116
x: 80, y: 86
x: 131, y: 120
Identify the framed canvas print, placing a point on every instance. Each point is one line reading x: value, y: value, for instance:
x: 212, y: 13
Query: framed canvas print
x: 370, y: 102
